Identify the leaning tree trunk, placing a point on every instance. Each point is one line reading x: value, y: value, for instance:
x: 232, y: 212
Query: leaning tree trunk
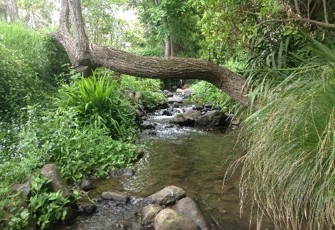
x: 85, y: 57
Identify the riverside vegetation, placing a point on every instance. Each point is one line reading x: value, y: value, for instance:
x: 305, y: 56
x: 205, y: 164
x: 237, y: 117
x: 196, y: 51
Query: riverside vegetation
x: 286, y: 137
x: 86, y: 126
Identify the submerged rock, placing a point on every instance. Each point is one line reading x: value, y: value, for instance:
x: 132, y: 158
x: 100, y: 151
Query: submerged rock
x: 168, y: 195
x: 169, y: 219
x: 57, y: 183
x: 188, y: 208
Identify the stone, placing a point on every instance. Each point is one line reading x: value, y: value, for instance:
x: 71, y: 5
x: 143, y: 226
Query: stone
x: 71, y: 215
x: 169, y: 219
x: 147, y: 125
x: 168, y: 195
x: 166, y: 112
x: 188, y: 208
x: 24, y: 189
x: 194, y: 114
x: 138, y: 96
x: 120, y: 198
x: 149, y: 213
x: 175, y: 105
x: 88, y: 207
x: 212, y: 118
x: 164, y: 105
x: 57, y: 183
x: 181, y: 120
x: 175, y: 99
x: 86, y: 185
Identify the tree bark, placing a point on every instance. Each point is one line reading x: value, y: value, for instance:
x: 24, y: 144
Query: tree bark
x: 12, y: 11
x: 85, y: 57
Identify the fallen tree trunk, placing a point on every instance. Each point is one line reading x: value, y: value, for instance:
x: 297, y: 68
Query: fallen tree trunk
x: 86, y: 58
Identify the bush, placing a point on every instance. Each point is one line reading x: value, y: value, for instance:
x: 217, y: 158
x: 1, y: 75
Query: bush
x: 29, y: 64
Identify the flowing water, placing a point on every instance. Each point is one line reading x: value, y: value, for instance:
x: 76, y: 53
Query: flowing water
x: 188, y: 158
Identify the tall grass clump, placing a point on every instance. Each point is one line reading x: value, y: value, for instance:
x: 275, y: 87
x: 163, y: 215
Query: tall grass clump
x: 288, y: 169
x: 29, y: 64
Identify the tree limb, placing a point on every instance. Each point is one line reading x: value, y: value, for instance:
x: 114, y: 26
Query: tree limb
x: 86, y: 57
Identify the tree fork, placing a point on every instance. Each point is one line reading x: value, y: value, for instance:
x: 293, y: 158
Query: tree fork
x: 85, y: 58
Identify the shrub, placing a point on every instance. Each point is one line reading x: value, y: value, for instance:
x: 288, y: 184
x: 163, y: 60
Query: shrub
x: 28, y: 65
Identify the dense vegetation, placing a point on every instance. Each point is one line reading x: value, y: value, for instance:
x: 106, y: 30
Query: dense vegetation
x: 87, y: 126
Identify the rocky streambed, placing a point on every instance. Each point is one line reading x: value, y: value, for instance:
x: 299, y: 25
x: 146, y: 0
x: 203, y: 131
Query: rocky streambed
x: 178, y: 183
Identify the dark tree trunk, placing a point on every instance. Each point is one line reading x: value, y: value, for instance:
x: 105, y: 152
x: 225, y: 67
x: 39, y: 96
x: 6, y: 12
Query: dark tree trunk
x: 85, y: 57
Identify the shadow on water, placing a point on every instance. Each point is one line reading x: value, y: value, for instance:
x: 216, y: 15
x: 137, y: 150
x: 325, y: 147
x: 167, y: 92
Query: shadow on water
x: 193, y: 160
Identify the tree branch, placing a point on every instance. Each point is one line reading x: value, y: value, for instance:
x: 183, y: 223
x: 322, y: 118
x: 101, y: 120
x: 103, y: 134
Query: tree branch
x: 85, y: 57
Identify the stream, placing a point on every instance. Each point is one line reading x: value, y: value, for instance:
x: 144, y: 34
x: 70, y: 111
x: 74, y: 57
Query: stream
x: 191, y: 159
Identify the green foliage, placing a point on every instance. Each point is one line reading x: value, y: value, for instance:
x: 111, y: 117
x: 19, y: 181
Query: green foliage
x: 42, y: 209
x: 162, y: 19
x: 100, y: 101
x: 149, y: 88
x: 59, y: 136
x: 46, y: 207
x: 206, y: 93
x: 27, y: 68
x: 288, y: 171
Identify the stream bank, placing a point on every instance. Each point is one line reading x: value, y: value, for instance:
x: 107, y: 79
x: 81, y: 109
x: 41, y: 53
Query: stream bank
x: 191, y: 158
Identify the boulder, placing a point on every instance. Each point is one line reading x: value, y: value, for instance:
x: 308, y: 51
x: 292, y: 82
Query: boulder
x: 182, y: 120
x: 175, y: 99
x: 70, y: 216
x: 168, y: 195
x: 148, y: 125
x: 149, y: 213
x: 194, y: 114
x: 87, y: 207
x: 188, y: 208
x: 57, y: 183
x: 24, y: 189
x: 86, y: 185
x: 166, y: 112
x: 120, y: 198
x: 212, y: 118
x: 164, y: 105
x: 169, y: 219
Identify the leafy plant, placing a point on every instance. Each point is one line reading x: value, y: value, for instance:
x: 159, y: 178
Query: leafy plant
x: 99, y: 101
x: 46, y: 207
